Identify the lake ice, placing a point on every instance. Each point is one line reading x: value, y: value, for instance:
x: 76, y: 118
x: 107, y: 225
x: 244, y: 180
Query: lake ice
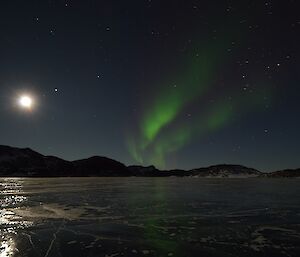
x: 149, y: 217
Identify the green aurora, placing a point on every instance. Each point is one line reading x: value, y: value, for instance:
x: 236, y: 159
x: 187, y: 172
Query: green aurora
x: 161, y: 130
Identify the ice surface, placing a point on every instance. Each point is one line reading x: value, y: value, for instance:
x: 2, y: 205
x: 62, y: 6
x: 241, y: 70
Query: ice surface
x: 149, y: 217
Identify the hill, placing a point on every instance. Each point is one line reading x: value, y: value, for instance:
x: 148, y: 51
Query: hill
x: 24, y: 162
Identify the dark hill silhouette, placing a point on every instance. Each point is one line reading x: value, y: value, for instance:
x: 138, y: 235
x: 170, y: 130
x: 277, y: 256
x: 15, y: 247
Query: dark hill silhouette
x: 96, y: 165
x: 288, y: 173
x: 226, y: 170
x: 24, y: 162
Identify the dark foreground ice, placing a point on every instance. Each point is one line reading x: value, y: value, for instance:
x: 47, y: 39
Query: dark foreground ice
x: 117, y: 217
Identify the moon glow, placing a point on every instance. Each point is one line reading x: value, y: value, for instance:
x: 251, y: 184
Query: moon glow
x: 25, y: 102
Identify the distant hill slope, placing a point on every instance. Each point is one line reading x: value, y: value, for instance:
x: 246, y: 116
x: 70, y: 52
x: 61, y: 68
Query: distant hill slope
x: 226, y: 171
x: 288, y: 173
x: 97, y: 165
x: 24, y: 162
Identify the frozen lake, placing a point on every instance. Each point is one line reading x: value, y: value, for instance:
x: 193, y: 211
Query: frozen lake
x: 115, y: 217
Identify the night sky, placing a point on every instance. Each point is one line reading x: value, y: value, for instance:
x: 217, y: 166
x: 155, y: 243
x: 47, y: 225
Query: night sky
x: 177, y: 84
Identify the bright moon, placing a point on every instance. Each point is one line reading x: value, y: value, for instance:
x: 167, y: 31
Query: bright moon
x: 25, y: 101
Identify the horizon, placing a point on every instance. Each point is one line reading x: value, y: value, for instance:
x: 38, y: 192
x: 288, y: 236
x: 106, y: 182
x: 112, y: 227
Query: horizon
x: 175, y: 168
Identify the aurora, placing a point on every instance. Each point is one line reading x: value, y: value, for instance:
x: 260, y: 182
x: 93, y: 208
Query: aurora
x: 161, y: 130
